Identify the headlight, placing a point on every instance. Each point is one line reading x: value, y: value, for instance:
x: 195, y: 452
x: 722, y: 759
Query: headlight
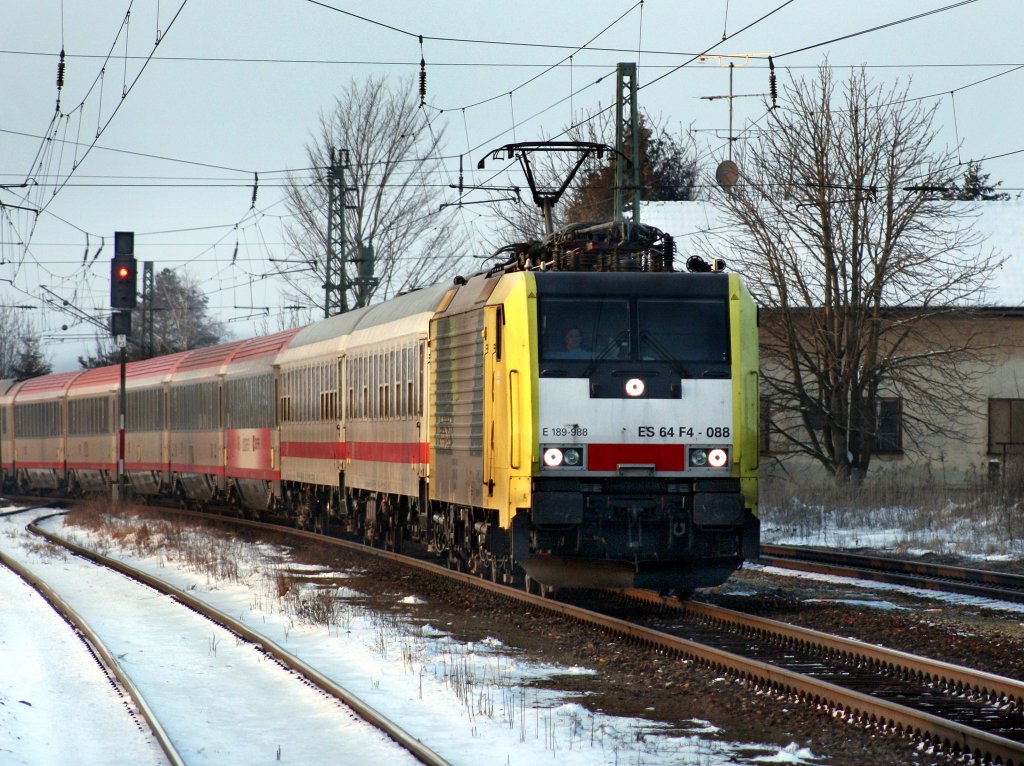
x: 705, y: 457
x: 717, y: 458
x: 562, y: 457
x: 635, y: 387
x: 553, y: 457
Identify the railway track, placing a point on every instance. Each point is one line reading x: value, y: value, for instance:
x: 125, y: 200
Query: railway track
x: 972, y: 698
x: 102, y: 654
x: 954, y: 709
x: 416, y: 748
x: 938, y: 577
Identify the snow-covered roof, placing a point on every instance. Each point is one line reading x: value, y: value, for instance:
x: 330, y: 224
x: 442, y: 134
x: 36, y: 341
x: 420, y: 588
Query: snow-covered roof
x: 1002, y: 223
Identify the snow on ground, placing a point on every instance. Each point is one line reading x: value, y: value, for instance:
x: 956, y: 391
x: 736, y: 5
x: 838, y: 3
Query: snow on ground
x: 184, y: 666
x: 957, y: 599
x: 972, y: 532
x: 908, y: 532
x: 54, y: 697
x: 472, y: 702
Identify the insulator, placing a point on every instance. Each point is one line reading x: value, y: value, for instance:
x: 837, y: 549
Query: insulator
x: 60, y: 70
x: 670, y: 251
x: 423, y: 82
x: 773, y: 89
x: 423, y: 75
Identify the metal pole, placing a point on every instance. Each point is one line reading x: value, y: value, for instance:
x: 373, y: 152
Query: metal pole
x: 731, y: 67
x: 336, y: 282
x: 121, y: 486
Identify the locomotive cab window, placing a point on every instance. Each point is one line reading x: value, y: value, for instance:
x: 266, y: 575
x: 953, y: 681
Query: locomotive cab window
x: 691, y: 330
x: 584, y: 328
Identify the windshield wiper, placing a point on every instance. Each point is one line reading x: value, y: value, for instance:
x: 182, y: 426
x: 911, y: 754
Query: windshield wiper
x: 611, y: 345
x: 666, y: 355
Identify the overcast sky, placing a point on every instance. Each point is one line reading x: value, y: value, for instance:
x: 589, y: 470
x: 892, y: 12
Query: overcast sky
x: 235, y: 88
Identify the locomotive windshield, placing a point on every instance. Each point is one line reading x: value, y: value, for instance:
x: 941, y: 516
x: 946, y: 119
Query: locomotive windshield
x: 683, y: 330
x: 663, y: 329
x: 584, y: 328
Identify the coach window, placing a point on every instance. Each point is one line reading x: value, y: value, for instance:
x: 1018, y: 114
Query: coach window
x: 352, y: 374
x: 382, y: 385
x: 407, y: 375
x: 371, y: 385
x: 344, y: 389
x: 145, y: 410
x: 364, y: 385
x: 302, y: 394
x: 421, y: 361
x: 329, y: 396
x: 396, y: 383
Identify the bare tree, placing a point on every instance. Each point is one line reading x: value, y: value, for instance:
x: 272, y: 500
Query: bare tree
x: 394, y: 174
x: 866, y: 280
x: 181, y: 322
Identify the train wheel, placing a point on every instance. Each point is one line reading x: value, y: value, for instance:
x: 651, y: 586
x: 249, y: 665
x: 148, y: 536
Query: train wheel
x: 530, y: 586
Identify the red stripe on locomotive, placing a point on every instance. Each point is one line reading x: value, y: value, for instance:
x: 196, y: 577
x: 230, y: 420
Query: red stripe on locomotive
x: 608, y: 457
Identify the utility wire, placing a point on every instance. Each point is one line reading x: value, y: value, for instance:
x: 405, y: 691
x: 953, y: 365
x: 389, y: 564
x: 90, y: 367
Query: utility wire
x: 490, y: 64
x: 124, y: 95
x: 877, y: 28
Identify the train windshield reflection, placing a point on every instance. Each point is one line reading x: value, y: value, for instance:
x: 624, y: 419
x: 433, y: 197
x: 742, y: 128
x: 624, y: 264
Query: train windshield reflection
x: 683, y: 330
x: 690, y: 330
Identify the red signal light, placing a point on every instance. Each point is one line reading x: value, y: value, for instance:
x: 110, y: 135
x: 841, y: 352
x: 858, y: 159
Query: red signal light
x: 122, y: 282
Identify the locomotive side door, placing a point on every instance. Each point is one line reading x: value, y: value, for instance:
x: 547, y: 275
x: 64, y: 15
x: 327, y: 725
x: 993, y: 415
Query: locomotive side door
x: 495, y: 467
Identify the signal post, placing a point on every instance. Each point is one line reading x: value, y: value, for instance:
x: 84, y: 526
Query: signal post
x: 123, y: 297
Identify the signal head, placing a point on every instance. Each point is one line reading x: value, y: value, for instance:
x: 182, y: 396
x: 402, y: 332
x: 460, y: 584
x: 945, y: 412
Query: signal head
x: 122, y: 282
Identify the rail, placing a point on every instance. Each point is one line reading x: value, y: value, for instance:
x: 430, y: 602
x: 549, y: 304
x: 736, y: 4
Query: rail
x: 98, y: 650
x: 940, y: 732
x: 938, y: 577
x: 419, y: 750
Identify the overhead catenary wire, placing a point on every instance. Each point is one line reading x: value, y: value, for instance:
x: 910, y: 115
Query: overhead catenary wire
x: 459, y: 64
x: 466, y: 128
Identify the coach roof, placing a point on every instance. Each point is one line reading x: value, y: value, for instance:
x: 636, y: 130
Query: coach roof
x: 407, y: 305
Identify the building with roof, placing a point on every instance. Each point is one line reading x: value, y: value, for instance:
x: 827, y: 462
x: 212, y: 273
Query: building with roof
x: 991, y: 445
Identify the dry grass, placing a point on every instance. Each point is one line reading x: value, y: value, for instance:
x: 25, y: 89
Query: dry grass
x: 981, y: 520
